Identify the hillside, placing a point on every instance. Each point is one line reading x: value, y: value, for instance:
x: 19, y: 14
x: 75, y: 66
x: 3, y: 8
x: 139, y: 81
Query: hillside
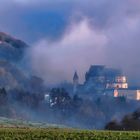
x: 11, y: 76
x: 11, y: 49
x: 11, y: 53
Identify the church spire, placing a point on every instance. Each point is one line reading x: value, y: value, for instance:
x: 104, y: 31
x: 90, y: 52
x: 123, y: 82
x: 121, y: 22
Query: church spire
x: 75, y: 82
x: 75, y: 77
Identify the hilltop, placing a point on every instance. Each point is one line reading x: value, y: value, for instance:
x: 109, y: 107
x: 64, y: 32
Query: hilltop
x: 11, y: 49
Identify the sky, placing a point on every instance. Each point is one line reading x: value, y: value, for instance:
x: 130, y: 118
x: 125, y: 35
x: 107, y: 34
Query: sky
x: 72, y: 35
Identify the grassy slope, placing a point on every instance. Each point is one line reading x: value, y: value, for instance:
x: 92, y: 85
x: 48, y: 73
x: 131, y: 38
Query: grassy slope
x: 16, y: 129
x: 5, y: 122
x: 64, y: 134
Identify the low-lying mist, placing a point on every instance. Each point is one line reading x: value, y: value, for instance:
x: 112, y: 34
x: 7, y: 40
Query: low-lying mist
x: 66, y: 110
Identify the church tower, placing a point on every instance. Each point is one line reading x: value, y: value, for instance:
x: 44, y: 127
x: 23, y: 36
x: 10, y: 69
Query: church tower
x: 75, y: 82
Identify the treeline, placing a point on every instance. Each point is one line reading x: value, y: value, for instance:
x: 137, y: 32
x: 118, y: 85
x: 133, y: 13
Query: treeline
x: 92, y: 113
x: 129, y: 122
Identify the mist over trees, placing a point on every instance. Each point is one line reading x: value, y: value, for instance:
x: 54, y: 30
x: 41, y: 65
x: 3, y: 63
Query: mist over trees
x: 62, y: 108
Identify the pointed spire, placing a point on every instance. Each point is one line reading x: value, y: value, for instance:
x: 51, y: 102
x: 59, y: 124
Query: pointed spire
x: 75, y: 82
x: 75, y: 77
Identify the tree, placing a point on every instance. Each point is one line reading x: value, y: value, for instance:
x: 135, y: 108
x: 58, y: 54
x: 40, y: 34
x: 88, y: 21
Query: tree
x: 3, y: 96
x: 59, y: 98
x: 113, y: 125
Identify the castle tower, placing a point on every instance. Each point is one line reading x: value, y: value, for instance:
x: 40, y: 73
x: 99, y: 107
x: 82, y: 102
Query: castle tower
x: 75, y: 82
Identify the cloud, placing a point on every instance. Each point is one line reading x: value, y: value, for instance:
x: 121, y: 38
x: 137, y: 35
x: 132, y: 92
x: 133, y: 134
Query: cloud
x: 49, y: 24
x: 84, y: 44
x: 32, y: 20
x: 79, y: 48
x: 124, y: 47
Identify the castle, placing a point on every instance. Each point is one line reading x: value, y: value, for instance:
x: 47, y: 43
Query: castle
x: 100, y: 80
x: 75, y: 82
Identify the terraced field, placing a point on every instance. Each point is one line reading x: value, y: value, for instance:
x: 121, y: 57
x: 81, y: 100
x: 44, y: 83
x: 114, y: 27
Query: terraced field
x: 64, y: 134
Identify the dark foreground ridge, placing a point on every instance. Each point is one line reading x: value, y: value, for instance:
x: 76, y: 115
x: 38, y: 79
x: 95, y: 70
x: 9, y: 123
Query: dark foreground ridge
x: 65, y: 134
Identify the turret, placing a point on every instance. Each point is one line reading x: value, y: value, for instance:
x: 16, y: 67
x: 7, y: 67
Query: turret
x: 75, y: 78
x: 75, y: 82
